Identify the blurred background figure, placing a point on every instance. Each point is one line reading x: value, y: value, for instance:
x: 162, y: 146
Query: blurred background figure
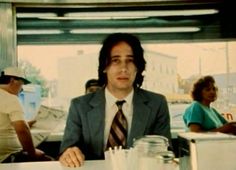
x: 200, y: 116
x: 92, y: 85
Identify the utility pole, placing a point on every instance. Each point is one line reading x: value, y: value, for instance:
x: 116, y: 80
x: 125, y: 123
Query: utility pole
x: 227, y: 73
x: 200, y: 66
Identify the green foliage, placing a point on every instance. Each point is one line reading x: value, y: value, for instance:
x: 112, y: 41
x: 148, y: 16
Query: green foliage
x: 33, y: 74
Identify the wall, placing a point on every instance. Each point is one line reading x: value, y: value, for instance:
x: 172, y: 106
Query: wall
x: 7, y: 36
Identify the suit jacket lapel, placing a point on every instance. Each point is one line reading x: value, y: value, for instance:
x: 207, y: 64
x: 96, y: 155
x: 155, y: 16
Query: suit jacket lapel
x: 140, y: 116
x: 96, y: 120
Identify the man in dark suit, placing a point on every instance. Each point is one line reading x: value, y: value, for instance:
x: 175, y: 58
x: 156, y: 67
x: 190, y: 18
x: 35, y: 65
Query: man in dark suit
x: 121, y: 63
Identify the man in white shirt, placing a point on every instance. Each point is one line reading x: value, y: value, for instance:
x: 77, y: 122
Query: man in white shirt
x: 16, y: 142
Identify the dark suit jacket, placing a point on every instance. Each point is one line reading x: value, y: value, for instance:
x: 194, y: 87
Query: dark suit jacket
x: 86, y: 121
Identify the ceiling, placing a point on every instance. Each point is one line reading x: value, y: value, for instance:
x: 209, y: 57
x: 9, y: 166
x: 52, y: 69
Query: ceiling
x: 153, y: 22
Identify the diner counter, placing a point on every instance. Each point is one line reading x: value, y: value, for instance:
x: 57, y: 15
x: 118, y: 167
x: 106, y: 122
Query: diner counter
x: 55, y: 165
x: 57, y: 135
x: 49, y: 141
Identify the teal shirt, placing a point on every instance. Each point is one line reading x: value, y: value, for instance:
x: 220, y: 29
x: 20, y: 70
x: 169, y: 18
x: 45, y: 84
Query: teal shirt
x: 207, y: 117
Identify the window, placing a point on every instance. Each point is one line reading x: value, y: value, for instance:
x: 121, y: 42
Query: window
x: 65, y: 69
x: 60, y: 44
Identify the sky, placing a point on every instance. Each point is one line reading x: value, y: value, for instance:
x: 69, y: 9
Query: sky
x: 212, y: 56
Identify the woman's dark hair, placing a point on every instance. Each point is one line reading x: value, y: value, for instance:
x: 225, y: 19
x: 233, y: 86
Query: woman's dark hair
x: 199, y: 85
x: 105, y: 56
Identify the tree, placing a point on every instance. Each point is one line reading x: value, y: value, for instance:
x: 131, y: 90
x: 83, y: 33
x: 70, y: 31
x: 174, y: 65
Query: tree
x: 187, y: 84
x: 33, y: 75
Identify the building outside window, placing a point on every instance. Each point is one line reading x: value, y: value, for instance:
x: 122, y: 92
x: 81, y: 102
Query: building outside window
x: 64, y: 69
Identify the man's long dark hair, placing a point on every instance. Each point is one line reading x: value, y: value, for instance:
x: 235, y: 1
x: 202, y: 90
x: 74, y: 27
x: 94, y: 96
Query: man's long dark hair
x: 105, y: 56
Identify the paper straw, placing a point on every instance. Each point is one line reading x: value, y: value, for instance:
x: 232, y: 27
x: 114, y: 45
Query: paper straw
x: 113, y: 161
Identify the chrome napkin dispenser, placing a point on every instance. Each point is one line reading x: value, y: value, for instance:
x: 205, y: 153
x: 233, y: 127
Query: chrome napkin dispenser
x: 207, y: 151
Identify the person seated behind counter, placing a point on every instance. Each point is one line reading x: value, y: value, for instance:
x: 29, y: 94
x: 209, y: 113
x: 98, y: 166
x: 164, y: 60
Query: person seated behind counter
x: 200, y: 116
x: 92, y: 85
x: 16, y: 144
x: 87, y: 131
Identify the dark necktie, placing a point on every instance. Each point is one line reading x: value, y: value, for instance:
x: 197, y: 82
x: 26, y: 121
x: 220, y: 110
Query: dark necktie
x: 119, y: 127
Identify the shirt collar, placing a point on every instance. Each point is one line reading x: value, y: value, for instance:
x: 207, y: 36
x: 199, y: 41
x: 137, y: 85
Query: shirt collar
x: 111, y: 100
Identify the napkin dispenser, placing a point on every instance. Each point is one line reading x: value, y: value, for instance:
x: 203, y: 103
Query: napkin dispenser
x: 207, y: 151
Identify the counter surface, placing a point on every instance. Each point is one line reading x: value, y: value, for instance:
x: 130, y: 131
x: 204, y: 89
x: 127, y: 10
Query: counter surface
x: 53, y: 165
x: 57, y: 135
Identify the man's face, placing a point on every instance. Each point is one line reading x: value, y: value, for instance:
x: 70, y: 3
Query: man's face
x: 122, y: 71
x: 16, y: 86
x: 209, y: 94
